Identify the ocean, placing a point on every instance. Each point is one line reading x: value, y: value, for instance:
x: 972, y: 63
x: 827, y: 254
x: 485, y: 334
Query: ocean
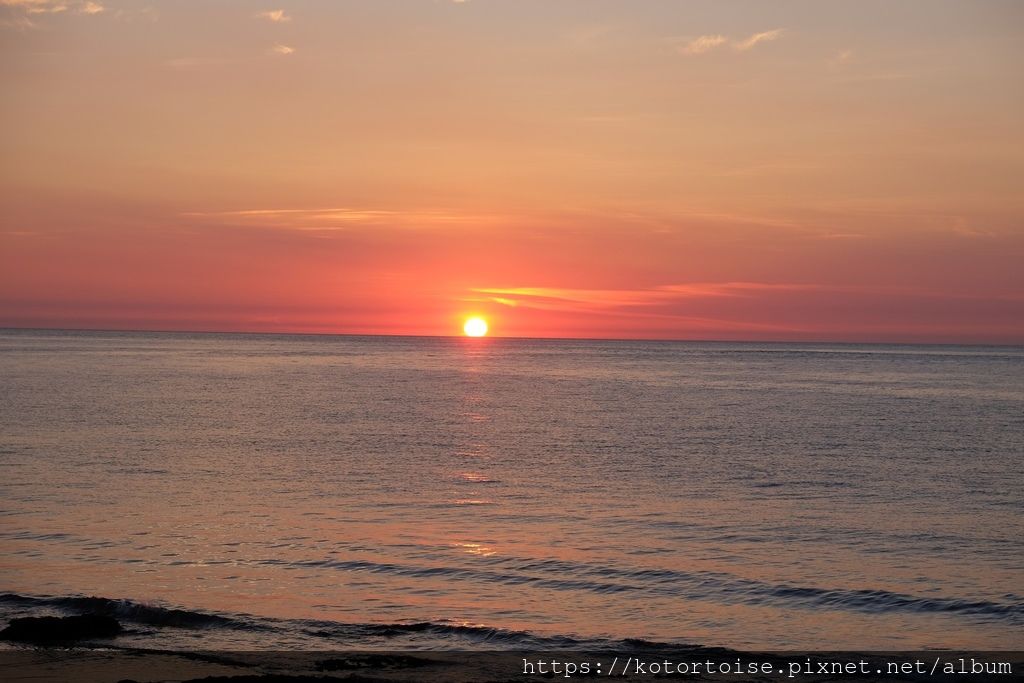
x: 225, y: 491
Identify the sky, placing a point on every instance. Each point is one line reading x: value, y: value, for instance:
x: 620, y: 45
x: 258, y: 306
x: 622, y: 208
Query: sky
x: 849, y: 171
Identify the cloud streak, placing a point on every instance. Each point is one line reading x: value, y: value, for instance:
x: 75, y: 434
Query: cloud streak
x: 36, y: 6
x: 763, y: 37
x: 554, y: 298
x: 278, y: 16
x: 345, y: 218
x: 19, y: 14
x: 702, y: 44
x: 656, y: 300
x: 53, y: 6
x: 707, y: 43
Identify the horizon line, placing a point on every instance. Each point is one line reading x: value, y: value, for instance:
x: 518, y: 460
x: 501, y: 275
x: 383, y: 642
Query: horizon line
x: 514, y: 338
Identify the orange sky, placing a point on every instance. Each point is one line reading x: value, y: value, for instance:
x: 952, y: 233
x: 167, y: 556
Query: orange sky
x: 581, y: 168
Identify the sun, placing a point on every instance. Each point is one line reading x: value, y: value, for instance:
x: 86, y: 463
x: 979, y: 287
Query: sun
x: 475, y: 327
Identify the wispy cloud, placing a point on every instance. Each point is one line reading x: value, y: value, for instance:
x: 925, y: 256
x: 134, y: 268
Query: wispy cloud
x: 275, y: 15
x: 674, y: 301
x: 36, y: 6
x: 343, y: 214
x: 561, y: 298
x: 703, y: 44
x: 706, y: 43
x: 763, y: 37
x: 20, y: 13
x: 344, y: 218
x: 280, y: 49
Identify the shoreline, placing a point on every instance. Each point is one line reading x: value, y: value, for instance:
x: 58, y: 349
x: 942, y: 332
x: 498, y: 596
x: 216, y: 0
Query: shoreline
x: 103, y: 665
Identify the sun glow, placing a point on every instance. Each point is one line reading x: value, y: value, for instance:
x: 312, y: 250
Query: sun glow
x: 475, y: 327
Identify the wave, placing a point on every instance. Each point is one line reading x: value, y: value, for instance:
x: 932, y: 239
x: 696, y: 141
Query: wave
x: 241, y: 631
x: 311, y: 632
x: 445, y: 632
x: 714, y: 586
x: 139, y: 613
x: 127, y: 611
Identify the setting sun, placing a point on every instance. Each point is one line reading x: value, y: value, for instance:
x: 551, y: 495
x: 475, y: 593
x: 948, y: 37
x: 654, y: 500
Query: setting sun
x: 475, y: 327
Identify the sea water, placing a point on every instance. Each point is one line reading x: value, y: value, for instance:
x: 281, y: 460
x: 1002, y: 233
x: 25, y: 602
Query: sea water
x: 325, y: 492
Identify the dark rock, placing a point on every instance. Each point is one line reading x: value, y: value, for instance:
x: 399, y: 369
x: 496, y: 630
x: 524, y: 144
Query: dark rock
x: 61, y: 629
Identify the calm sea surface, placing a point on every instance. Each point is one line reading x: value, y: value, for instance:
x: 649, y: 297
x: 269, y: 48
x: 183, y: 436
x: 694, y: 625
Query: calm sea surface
x: 325, y: 492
